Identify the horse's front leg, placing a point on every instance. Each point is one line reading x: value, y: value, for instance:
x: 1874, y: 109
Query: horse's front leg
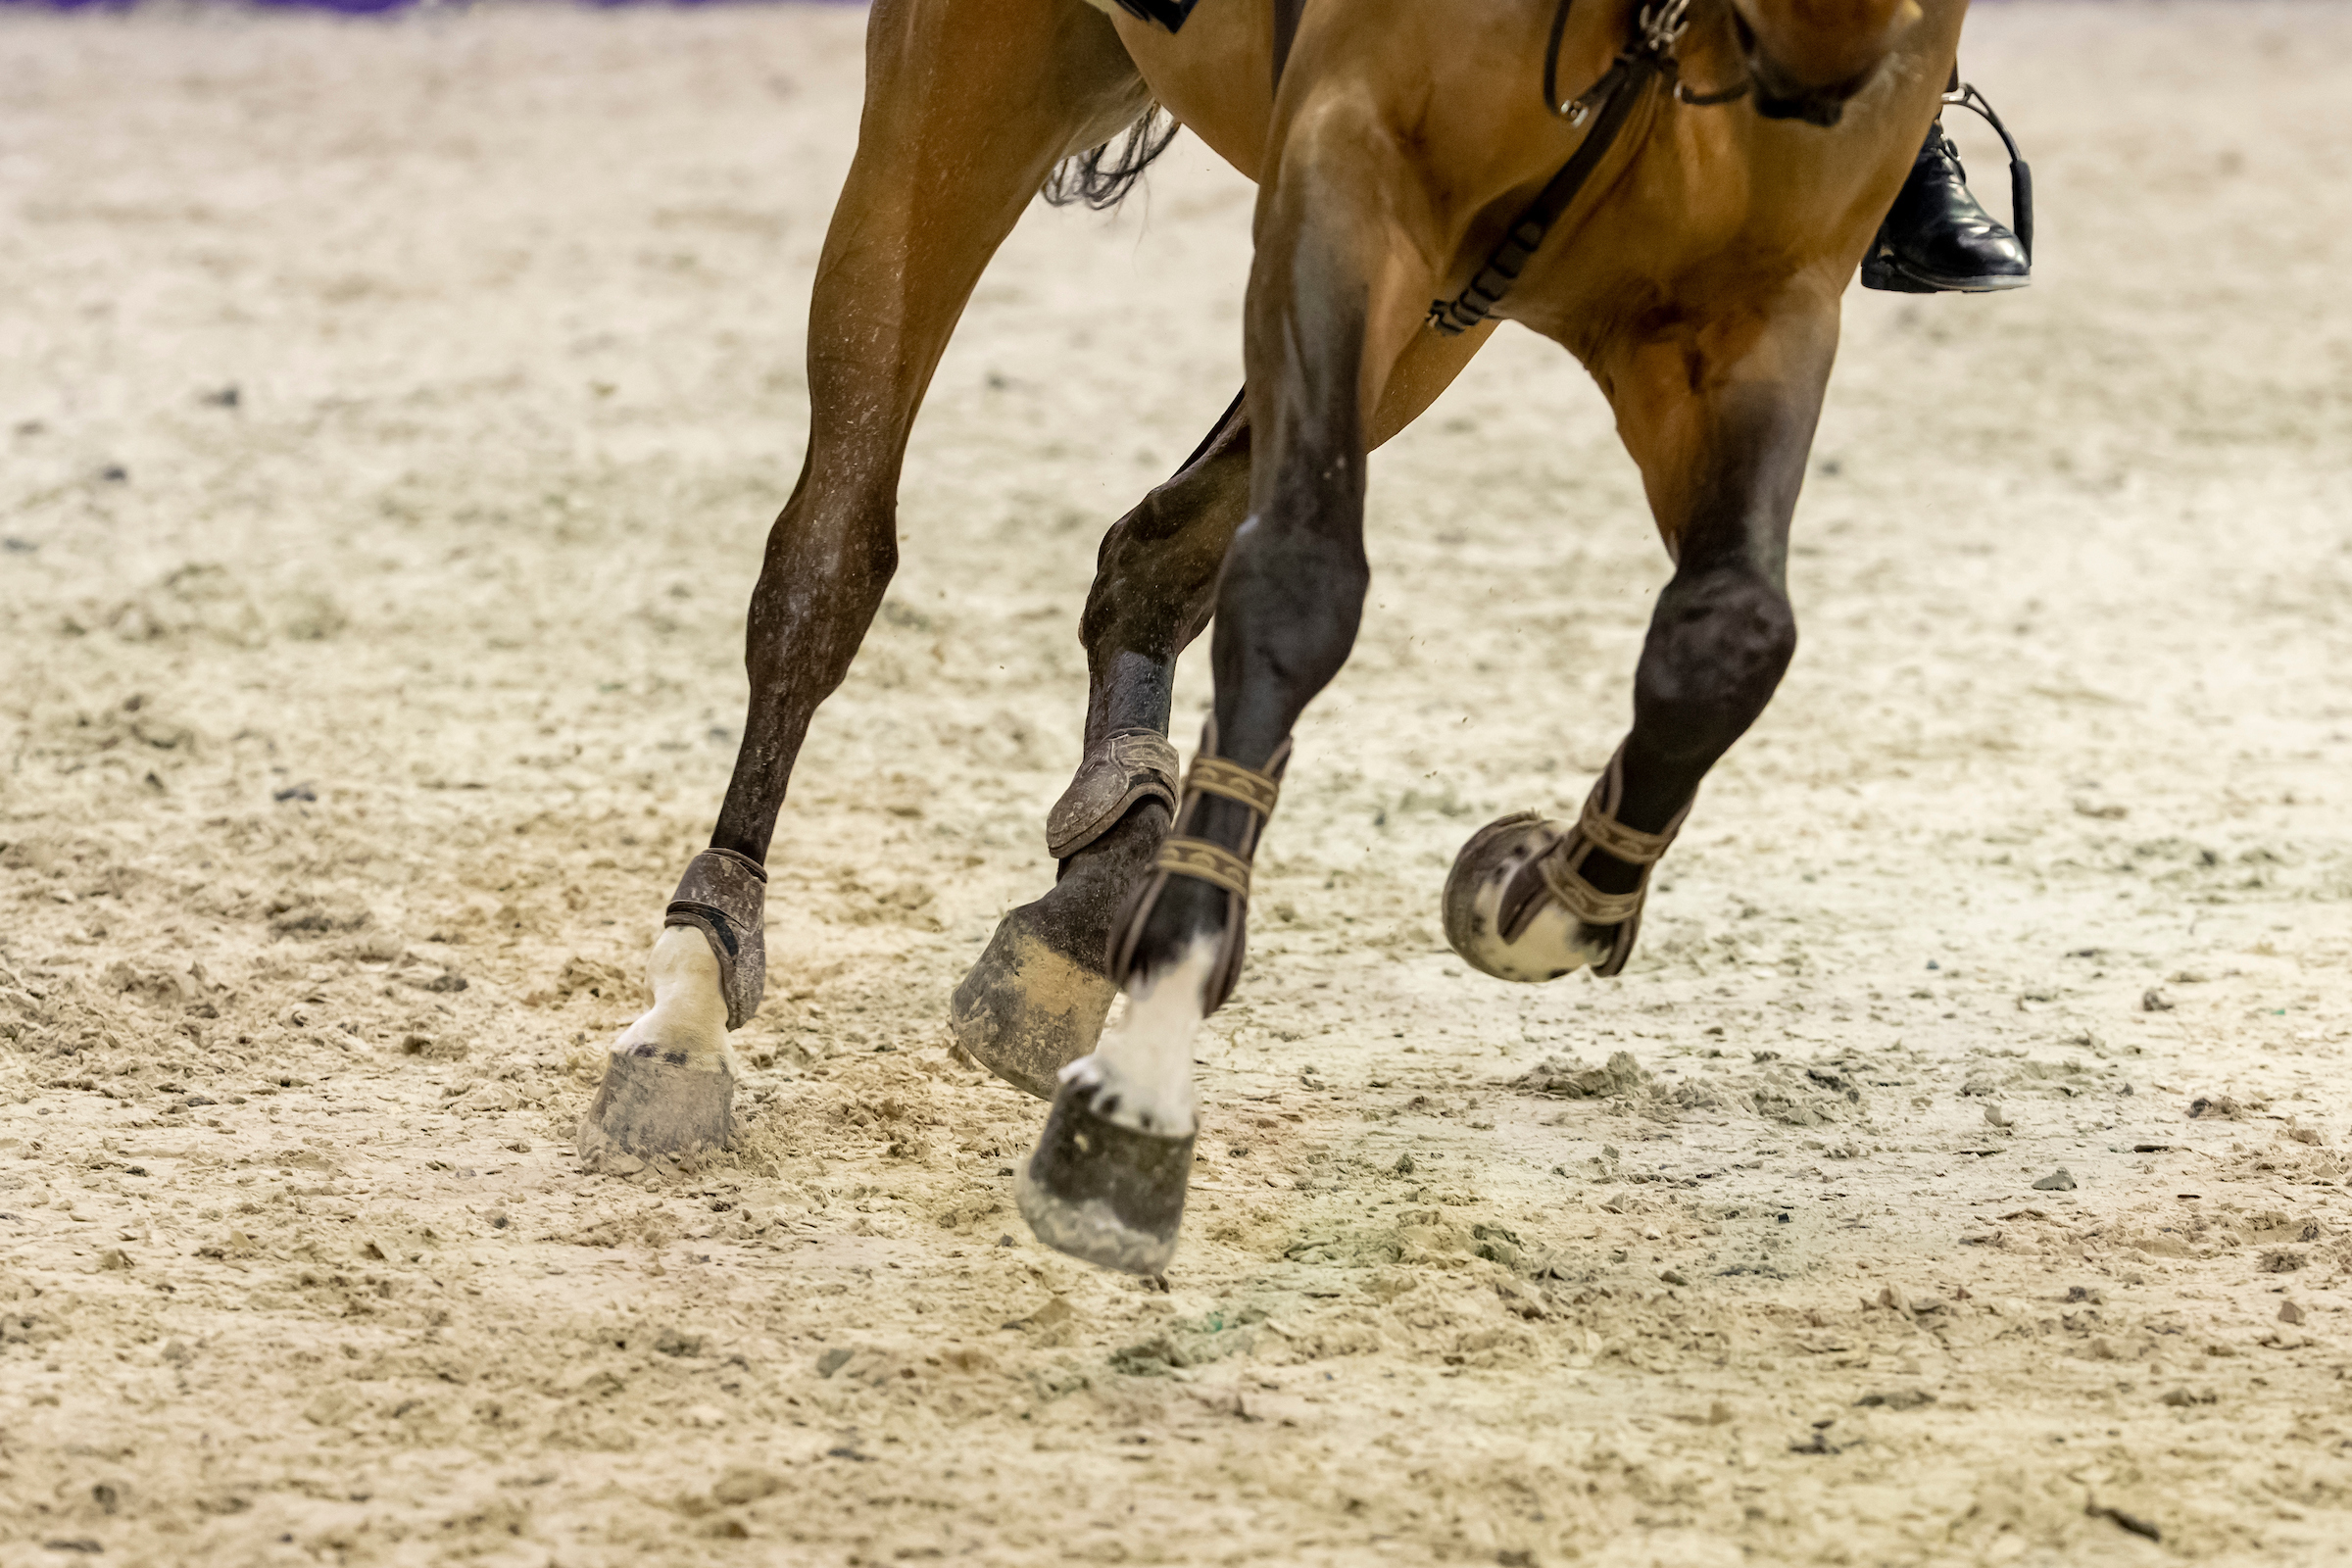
x: 1719, y: 413
x: 1335, y: 295
x: 968, y: 105
x: 1035, y: 1000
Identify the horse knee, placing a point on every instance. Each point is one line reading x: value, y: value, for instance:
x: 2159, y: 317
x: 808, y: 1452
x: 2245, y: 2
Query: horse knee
x: 1717, y: 648
x: 1291, y: 601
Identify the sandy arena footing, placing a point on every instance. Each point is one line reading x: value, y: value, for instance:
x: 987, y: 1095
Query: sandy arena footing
x: 393, y: 414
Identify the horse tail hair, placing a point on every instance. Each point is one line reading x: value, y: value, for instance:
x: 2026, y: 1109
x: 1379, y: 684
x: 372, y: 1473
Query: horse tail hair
x: 1101, y: 177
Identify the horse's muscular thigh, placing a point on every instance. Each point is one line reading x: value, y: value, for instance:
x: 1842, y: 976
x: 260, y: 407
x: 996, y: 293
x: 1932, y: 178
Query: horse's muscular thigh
x: 1717, y: 648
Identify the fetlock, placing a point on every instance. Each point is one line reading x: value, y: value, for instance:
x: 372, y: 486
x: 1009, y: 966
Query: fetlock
x: 723, y: 895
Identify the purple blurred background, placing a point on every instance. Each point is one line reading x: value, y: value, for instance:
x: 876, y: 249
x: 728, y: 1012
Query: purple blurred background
x: 352, y: 7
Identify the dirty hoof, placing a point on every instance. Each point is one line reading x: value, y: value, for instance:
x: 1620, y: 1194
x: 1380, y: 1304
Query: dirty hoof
x: 1501, y: 917
x: 1027, y: 1010
x: 1105, y: 1192
x: 647, y: 1109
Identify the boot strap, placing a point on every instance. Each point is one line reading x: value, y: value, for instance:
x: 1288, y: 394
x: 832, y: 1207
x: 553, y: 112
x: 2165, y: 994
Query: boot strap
x: 1186, y: 854
x: 724, y: 894
x: 1585, y: 900
x: 1597, y: 829
x: 1182, y: 855
x: 1612, y: 837
x: 1205, y: 862
x: 1124, y: 767
x: 1217, y: 775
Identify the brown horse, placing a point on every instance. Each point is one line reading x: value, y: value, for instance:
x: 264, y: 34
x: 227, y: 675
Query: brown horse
x: 1708, y: 174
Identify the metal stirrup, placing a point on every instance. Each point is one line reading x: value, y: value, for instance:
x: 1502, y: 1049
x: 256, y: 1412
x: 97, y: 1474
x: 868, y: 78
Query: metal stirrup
x: 2020, y: 174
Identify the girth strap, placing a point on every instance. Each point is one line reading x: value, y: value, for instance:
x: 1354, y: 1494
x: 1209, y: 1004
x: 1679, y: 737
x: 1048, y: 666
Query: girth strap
x: 1286, y: 29
x: 1607, y: 104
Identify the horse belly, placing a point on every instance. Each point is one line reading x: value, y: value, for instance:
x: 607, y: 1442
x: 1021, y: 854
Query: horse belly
x: 1216, y: 76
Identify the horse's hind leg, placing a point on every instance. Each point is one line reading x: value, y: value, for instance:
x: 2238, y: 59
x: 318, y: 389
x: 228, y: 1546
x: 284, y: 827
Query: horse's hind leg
x: 968, y: 105
x: 1720, y: 417
x: 1035, y: 1000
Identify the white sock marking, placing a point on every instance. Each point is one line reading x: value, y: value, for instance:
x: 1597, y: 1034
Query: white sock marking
x: 1147, y: 1061
x: 689, y: 1012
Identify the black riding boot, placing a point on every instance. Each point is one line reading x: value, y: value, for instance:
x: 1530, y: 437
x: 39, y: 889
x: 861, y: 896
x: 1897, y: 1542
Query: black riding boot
x: 1937, y: 238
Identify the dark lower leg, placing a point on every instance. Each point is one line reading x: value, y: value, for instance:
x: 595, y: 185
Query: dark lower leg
x: 1036, y: 997
x: 1288, y: 610
x: 1289, y: 603
x: 1156, y: 583
x: 1718, y: 643
x: 829, y: 558
x: 1157, y: 570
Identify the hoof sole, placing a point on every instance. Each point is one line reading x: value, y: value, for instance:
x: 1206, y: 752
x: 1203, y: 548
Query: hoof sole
x: 1026, y: 1010
x: 1105, y: 1192
x: 1554, y: 943
x: 647, y: 1108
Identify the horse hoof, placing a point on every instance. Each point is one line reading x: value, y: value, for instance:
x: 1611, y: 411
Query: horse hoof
x: 1551, y: 942
x: 1027, y: 1010
x: 647, y: 1108
x: 1105, y: 1192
